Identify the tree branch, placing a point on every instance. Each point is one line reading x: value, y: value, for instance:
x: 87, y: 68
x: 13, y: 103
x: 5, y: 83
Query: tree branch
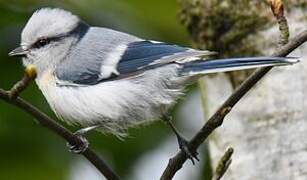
x: 217, y: 118
x: 277, y: 8
x: 52, y: 125
x: 223, y: 164
x: 28, y: 76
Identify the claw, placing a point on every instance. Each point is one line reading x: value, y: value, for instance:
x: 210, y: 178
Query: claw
x: 183, y: 145
x: 80, y: 133
x: 78, y: 149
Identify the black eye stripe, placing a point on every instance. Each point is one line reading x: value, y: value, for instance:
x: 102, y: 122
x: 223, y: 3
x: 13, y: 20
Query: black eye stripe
x: 79, y: 31
x: 45, y: 41
x: 41, y: 42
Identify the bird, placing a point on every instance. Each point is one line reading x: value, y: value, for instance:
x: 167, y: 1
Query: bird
x: 106, y: 80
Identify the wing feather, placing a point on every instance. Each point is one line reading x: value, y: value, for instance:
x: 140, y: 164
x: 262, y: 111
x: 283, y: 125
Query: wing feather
x: 123, y: 57
x: 148, y: 54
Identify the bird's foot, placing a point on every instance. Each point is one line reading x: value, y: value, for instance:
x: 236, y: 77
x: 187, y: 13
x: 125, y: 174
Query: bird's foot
x: 183, y: 143
x: 184, y: 146
x: 80, y: 133
x: 80, y: 148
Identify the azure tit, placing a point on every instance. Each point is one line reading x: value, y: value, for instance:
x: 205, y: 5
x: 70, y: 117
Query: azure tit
x: 108, y: 80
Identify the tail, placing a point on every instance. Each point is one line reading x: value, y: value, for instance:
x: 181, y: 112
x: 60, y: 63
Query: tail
x: 234, y: 64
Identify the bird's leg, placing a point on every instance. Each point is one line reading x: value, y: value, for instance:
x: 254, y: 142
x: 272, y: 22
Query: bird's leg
x: 80, y: 133
x: 83, y: 131
x: 183, y: 143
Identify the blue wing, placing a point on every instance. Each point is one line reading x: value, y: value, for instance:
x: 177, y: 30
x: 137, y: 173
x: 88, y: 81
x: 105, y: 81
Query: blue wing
x: 147, y: 54
x: 107, y: 58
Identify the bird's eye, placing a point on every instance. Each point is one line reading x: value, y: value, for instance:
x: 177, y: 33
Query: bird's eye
x: 41, y: 43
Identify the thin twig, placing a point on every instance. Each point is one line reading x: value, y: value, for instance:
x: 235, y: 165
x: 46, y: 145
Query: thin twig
x: 217, y: 118
x: 52, y: 125
x: 223, y: 164
x: 28, y: 76
x: 277, y: 8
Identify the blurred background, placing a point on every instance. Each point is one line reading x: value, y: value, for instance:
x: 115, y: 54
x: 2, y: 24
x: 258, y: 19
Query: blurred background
x: 268, y: 127
x: 29, y: 151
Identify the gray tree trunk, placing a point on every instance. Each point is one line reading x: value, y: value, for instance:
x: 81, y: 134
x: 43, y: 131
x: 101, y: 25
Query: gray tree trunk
x: 268, y: 127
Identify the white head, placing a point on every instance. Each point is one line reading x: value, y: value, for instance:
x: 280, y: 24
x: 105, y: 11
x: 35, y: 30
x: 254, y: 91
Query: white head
x: 48, y: 36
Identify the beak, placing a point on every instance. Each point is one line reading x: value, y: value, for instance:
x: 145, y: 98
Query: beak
x: 18, y: 52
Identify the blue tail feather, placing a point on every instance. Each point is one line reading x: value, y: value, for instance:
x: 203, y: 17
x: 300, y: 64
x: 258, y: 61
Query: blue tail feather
x: 233, y: 64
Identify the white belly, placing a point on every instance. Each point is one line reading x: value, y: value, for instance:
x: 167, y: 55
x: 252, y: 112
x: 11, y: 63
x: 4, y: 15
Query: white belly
x: 115, y: 105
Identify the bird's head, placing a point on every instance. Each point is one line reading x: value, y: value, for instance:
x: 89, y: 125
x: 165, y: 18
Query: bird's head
x: 48, y: 37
